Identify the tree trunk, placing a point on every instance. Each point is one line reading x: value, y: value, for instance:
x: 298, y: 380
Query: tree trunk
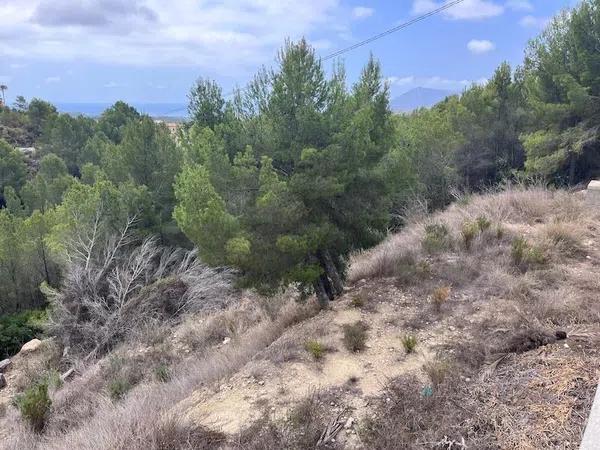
x: 328, y: 287
x: 572, y: 169
x: 322, y: 296
x: 331, y: 272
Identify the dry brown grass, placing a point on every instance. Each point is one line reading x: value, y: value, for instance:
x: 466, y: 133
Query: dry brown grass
x: 83, y: 416
x: 507, y: 210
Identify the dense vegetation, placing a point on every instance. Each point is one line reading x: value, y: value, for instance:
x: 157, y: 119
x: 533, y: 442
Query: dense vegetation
x: 293, y: 173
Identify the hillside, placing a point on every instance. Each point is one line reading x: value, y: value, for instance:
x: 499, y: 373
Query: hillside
x: 416, y: 98
x: 496, y: 295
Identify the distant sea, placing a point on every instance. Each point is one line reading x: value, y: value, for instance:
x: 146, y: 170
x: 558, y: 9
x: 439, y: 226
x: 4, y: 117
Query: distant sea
x: 171, y: 110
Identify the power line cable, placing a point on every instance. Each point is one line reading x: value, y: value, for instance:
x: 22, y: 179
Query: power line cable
x: 392, y: 30
x: 370, y: 39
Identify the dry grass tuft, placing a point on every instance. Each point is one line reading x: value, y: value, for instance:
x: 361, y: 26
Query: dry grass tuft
x: 355, y: 336
x: 440, y: 296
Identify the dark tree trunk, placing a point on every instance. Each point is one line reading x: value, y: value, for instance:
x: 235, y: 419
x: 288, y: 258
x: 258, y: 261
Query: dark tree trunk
x: 328, y: 287
x: 331, y: 272
x: 322, y: 296
x: 572, y: 169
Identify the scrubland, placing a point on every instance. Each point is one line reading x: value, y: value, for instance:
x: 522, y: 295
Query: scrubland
x: 476, y: 327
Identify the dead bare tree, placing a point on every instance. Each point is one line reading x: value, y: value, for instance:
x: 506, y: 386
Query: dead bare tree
x: 115, y: 283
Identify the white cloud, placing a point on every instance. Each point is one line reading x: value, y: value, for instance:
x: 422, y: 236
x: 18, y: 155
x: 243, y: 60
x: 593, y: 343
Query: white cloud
x: 54, y: 79
x: 224, y: 37
x: 519, y: 5
x: 479, y: 47
x: 467, y: 10
x: 534, y: 22
x: 362, y: 12
x: 112, y: 84
x: 401, y: 81
x: 16, y: 66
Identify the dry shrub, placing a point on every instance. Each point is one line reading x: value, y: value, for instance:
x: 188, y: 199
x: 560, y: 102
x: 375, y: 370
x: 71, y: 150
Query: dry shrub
x: 400, y: 252
x: 130, y: 422
x: 440, y: 296
x: 302, y: 429
x: 437, y: 238
x: 564, y: 239
x: 115, y: 286
x: 36, y: 366
x: 355, y: 336
x: 175, y: 434
x: 410, y: 420
x: 437, y: 370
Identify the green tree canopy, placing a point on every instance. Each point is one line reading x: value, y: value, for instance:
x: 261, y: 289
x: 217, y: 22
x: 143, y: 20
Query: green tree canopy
x: 306, y: 180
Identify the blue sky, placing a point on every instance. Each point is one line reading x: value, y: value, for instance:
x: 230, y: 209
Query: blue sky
x: 153, y: 50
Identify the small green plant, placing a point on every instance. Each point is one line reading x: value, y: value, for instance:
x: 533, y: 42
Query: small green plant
x: 499, y: 232
x: 355, y: 336
x: 437, y: 238
x: 358, y: 301
x: 440, y: 296
x: 469, y: 232
x: 410, y: 343
x: 524, y: 255
x: 34, y: 405
x: 315, y: 348
x: 162, y: 373
x: 118, y: 388
x: 483, y: 223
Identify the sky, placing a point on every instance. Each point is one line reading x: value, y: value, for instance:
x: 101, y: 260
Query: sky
x: 153, y: 50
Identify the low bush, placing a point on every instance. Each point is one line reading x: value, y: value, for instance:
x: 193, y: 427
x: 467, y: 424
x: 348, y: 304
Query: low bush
x: 437, y: 238
x: 17, y: 329
x: 162, y: 373
x: 315, y: 348
x: 410, y: 343
x: 440, y: 296
x: 123, y: 374
x: 526, y: 256
x: 468, y: 232
x: 305, y: 427
x: 355, y: 336
x: 34, y: 405
x: 566, y: 239
x: 436, y: 370
x: 483, y: 223
x: 358, y: 301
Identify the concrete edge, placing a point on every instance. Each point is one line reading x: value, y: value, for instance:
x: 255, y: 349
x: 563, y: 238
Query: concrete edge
x: 591, y: 436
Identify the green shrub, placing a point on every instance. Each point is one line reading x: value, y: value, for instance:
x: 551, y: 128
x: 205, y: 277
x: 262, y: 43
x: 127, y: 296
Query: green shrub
x: 499, y: 232
x: 17, y: 329
x: 315, y: 348
x: 117, y: 388
x: 122, y: 375
x: 355, y: 336
x: 437, y: 238
x: 162, y: 373
x: 483, y: 223
x: 34, y: 405
x: 358, y: 301
x: 410, y: 343
x: 525, y: 256
x: 469, y: 232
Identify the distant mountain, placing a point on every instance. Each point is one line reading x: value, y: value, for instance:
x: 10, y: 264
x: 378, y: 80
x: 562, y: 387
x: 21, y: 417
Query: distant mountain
x: 417, y: 98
